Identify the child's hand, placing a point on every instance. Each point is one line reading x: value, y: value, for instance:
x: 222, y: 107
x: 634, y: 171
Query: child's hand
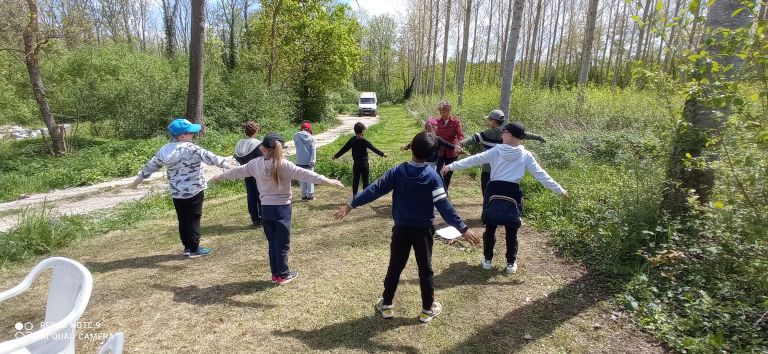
x: 342, y: 212
x: 385, y: 155
x: 336, y: 182
x: 333, y: 158
x: 214, y: 178
x: 471, y: 237
x: 565, y: 194
x: 445, y: 170
x: 135, y: 183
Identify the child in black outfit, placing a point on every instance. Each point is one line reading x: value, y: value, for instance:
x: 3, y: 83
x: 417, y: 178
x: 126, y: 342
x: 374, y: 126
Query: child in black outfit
x: 417, y: 190
x: 430, y: 126
x: 359, y: 146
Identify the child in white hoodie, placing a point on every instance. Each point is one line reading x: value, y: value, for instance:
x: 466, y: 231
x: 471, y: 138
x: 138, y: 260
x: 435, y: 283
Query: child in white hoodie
x: 186, y: 180
x: 502, y: 199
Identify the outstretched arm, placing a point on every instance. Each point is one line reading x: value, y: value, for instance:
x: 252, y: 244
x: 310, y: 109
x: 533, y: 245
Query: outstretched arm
x: 343, y: 149
x: 212, y: 159
x: 374, y: 149
x: 533, y: 136
x: 152, y: 166
x: 234, y: 173
x: 543, y: 177
x: 474, y: 160
x: 382, y: 186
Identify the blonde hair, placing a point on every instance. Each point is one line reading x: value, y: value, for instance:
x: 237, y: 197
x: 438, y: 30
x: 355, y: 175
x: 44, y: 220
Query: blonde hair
x: 276, y: 154
x: 443, y: 104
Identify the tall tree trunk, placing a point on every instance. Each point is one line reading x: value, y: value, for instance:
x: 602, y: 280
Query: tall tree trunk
x: 550, y: 51
x: 474, y: 47
x: 433, y: 77
x: 504, y: 39
x: 196, y: 54
x: 702, y: 121
x: 443, y: 75
x: 532, y: 49
x: 641, y: 36
x: 463, y: 60
x: 272, y: 56
x: 586, y: 53
x: 31, y: 46
x: 509, y: 65
x: 539, y: 50
x: 487, y: 41
x: 620, y: 54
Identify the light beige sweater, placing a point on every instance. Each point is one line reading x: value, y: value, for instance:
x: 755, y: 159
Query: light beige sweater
x: 270, y: 192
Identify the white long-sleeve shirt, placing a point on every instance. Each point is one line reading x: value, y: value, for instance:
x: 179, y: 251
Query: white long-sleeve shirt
x: 509, y: 163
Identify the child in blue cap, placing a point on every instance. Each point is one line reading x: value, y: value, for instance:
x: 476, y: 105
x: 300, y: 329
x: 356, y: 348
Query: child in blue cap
x: 186, y: 180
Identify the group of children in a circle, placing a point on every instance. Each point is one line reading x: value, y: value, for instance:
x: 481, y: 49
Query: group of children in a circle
x: 419, y: 187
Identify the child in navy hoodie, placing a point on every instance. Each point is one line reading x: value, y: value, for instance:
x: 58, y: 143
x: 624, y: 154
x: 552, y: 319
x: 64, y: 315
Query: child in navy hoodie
x: 417, y: 190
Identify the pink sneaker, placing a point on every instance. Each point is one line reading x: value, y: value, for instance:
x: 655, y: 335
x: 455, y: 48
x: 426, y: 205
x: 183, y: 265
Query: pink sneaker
x: 275, y: 279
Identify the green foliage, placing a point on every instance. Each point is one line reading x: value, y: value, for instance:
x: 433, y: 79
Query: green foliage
x: 315, y: 51
x: 37, y: 234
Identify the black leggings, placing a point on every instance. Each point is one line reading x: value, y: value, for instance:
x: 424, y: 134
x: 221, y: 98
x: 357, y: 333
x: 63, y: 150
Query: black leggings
x: 442, y: 161
x: 359, y: 169
x: 189, y: 211
x: 421, y: 239
x: 489, y: 241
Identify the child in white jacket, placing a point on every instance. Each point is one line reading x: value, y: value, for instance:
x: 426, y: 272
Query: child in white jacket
x: 509, y: 161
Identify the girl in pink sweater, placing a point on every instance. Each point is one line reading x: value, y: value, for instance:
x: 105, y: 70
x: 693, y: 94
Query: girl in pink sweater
x: 273, y: 175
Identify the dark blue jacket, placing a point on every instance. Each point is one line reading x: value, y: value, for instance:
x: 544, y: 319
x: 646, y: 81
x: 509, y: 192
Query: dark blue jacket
x: 418, y: 189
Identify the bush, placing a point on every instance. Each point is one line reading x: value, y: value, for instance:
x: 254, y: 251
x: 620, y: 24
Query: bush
x: 37, y: 234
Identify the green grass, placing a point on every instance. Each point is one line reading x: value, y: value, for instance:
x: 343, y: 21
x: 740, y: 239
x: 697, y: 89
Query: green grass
x: 226, y: 300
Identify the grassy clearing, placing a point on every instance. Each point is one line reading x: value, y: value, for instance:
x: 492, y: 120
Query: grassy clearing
x: 224, y: 303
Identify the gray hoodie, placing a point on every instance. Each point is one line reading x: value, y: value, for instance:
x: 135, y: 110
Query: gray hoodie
x: 185, y: 175
x: 306, y: 152
x: 509, y: 163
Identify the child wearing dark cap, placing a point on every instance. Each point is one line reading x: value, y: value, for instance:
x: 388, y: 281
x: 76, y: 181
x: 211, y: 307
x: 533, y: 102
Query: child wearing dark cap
x: 502, y: 199
x: 273, y: 174
x: 185, y: 177
x: 491, y: 137
x: 417, y: 190
x: 359, y: 146
x: 306, y: 156
x: 246, y: 150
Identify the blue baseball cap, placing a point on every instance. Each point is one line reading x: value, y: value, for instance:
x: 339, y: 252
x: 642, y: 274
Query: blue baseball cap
x: 181, y: 125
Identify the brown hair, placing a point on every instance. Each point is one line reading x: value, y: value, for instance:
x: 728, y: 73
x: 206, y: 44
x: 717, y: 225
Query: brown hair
x: 276, y: 154
x: 250, y: 127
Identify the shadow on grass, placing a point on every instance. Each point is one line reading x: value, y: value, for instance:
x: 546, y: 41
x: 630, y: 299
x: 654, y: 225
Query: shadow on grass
x: 538, y: 318
x: 356, y: 334
x: 218, y: 294
x: 147, y: 262
x: 461, y: 273
x: 219, y: 229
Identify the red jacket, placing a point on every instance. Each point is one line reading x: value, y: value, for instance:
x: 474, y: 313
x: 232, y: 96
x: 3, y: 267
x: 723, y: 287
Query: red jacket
x: 449, y: 130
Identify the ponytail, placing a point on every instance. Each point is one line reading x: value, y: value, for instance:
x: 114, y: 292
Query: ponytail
x: 277, y: 162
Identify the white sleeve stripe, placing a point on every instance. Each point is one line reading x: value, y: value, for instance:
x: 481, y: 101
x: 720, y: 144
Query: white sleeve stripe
x: 441, y: 196
x: 438, y: 191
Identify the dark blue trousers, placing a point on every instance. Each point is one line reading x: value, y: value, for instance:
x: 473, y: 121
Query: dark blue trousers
x: 277, y: 228
x: 254, y: 203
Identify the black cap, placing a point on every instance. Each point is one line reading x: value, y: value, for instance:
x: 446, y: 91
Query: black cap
x: 271, y: 139
x: 516, y: 129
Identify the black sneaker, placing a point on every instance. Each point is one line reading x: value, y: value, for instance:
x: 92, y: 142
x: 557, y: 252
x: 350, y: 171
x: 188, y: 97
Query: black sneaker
x: 288, y: 278
x: 256, y: 224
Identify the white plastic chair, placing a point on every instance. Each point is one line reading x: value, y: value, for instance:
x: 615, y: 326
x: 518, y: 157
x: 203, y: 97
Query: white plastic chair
x: 113, y: 345
x: 68, y: 295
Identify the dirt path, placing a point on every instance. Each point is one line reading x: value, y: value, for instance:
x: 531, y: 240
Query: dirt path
x: 89, y: 199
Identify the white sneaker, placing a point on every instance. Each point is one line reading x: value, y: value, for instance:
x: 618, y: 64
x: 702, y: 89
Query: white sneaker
x: 426, y: 316
x: 386, y: 311
x: 486, y: 263
x: 512, y: 268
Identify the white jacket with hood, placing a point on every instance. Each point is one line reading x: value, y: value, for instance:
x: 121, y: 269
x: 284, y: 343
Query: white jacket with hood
x: 185, y: 174
x: 509, y: 163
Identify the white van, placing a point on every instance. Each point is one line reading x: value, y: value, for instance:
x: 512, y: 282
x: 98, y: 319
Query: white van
x: 366, y: 104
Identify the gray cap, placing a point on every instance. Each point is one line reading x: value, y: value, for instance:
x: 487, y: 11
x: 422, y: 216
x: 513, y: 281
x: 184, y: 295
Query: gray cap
x: 496, y: 115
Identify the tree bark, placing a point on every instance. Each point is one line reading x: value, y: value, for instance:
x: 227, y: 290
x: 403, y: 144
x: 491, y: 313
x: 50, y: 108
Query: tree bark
x: 487, y: 41
x: 586, y: 52
x: 509, y: 65
x: 31, y: 47
x: 474, y: 46
x: 196, y: 54
x: 532, y: 49
x: 463, y: 61
x: 443, y: 75
x: 272, y: 57
x: 701, y: 121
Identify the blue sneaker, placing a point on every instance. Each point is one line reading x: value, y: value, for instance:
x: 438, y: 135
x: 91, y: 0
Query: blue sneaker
x: 201, y: 251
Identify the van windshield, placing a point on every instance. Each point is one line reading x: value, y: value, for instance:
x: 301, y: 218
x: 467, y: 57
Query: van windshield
x: 367, y: 100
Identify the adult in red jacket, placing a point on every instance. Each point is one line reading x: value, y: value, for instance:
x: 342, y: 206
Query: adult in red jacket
x: 448, y: 128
